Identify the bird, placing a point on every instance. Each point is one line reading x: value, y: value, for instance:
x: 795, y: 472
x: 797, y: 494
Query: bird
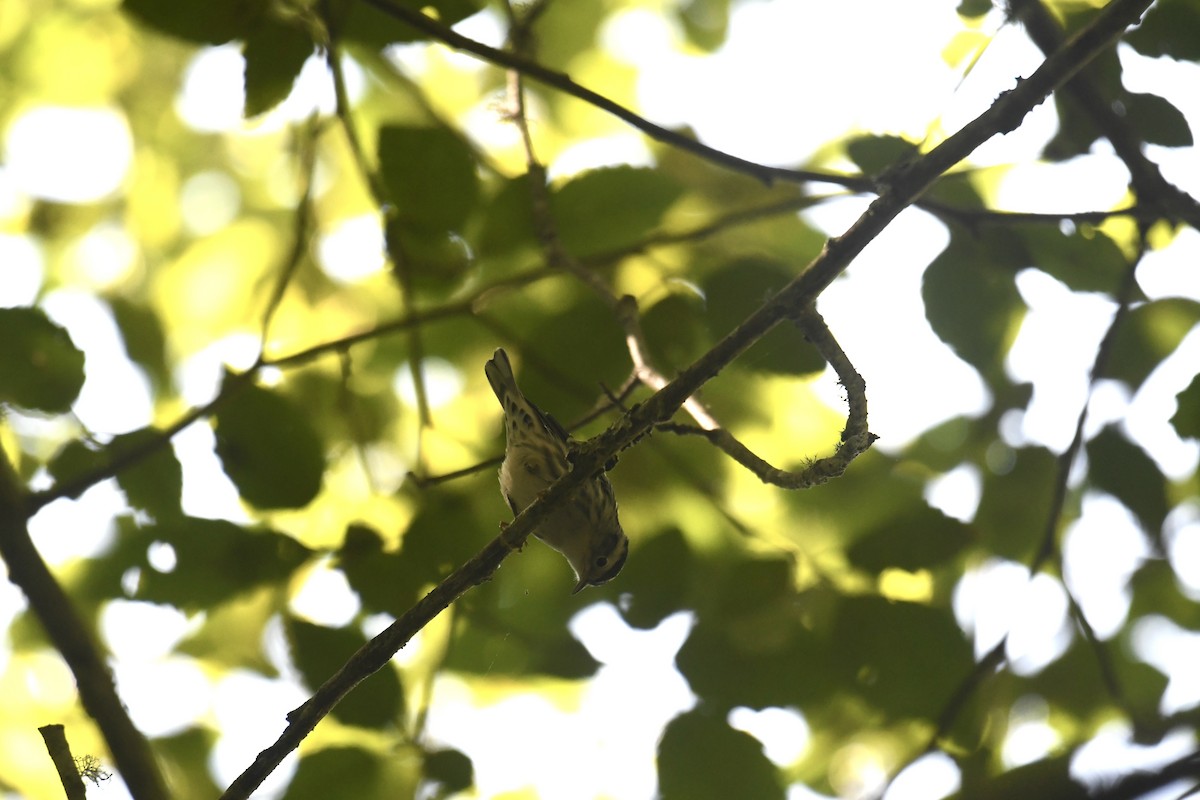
x: 585, y: 528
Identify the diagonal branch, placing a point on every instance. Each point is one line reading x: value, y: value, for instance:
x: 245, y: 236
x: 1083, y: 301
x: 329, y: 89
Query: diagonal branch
x: 566, y: 85
x: 70, y: 636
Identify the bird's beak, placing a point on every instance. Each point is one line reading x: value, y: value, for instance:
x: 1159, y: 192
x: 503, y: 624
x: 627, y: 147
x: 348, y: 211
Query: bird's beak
x: 579, y: 587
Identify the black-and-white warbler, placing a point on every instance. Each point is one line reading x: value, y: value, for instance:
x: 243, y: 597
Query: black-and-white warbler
x: 585, y: 528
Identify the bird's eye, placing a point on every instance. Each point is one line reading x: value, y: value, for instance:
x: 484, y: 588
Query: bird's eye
x: 601, y: 561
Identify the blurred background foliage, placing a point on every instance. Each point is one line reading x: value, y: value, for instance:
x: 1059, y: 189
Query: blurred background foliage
x: 836, y: 603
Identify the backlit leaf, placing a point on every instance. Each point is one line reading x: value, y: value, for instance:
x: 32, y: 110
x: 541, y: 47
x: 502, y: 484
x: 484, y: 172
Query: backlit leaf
x: 702, y: 758
x: 1187, y: 411
x: 922, y: 539
x: 269, y: 449
x: 1148, y: 334
x: 275, y: 49
x: 736, y: 290
x: 319, y: 652
x: 607, y: 209
x: 430, y: 176
x: 972, y: 303
x: 905, y: 658
x: 1121, y: 468
x: 40, y: 367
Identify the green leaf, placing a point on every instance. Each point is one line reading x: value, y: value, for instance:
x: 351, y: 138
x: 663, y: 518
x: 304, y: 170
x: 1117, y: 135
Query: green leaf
x: 318, y: 652
x: 1085, y: 262
x: 430, y: 177
x: 184, y: 758
x: 583, y: 343
x: 734, y: 663
x: 444, y: 534
x: 360, y: 22
x: 268, y: 448
x: 971, y: 302
x: 197, y: 21
x: 736, y: 291
x: 904, y: 658
x: 675, y: 328
x: 507, y: 220
x: 1169, y: 28
x: 75, y: 459
x: 704, y: 22
x: 145, y: 342
x: 436, y: 262
x: 655, y: 581
x: 40, y: 367
x: 275, y: 49
x: 873, y: 154
x: 215, y: 560
x: 1046, y: 778
x: 1156, y: 591
x: 702, y: 758
x: 609, y: 209
x: 338, y: 772
x: 1157, y: 120
x: 371, y: 572
x: 1121, y: 468
x: 233, y: 633
x: 1186, y: 418
x: 1149, y: 334
x: 517, y: 652
x: 923, y: 538
x: 972, y: 9
x: 1012, y: 513
x: 752, y: 632
x: 450, y: 769
x: 153, y: 483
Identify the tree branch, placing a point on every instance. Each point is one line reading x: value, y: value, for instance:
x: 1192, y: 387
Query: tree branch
x: 564, y: 83
x: 1148, y: 182
x: 70, y: 636
x: 55, y: 737
x: 856, y: 438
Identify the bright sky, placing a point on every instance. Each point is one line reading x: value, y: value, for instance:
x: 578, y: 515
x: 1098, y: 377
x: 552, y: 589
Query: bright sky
x: 80, y: 155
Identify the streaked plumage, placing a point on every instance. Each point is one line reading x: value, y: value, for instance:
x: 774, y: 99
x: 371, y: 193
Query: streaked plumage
x: 586, y: 529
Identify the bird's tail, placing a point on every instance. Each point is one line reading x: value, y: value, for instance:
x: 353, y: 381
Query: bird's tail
x: 500, y: 375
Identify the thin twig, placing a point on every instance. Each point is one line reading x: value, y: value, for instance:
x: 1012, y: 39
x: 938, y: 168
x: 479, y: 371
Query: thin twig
x: 72, y: 638
x: 401, y: 264
x: 1152, y: 189
x: 856, y: 438
x: 563, y: 83
x: 300, y: 227
x: 1125, y: 295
